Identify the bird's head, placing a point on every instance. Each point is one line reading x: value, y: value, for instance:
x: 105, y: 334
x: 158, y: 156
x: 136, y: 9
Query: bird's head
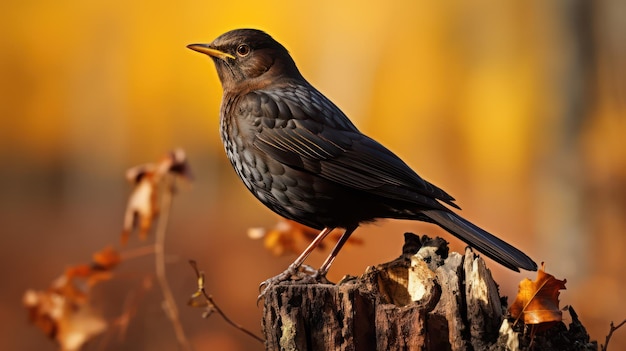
x: 248, y: 58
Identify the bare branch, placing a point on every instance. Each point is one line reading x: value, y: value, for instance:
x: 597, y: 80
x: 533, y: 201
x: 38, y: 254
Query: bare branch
x: 605, y: 347
x: 159, y: 254
x: 210, y: 304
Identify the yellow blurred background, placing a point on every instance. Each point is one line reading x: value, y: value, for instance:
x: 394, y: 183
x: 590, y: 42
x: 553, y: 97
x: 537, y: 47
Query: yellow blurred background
x: 517, y: 108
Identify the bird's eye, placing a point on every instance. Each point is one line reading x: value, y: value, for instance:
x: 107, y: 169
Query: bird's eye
x: 243, y: 50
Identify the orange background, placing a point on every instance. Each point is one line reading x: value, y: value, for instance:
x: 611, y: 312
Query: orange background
x: 515, y: 108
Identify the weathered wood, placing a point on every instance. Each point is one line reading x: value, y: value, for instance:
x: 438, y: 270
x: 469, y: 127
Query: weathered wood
x: 484, y: 308
x: 426, y: 299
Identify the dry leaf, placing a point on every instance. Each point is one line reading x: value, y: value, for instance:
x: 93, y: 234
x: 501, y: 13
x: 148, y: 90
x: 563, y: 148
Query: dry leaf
x: 143, y: 205
x: 538, y: 301
x: 70, y: 322
x: 106, y: 258
x: 289, y: 237
x: 142, y: 208
x: 63, y: 311
x: 175, y: 162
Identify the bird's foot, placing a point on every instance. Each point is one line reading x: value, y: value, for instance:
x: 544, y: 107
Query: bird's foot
x: 303, y: 275
x: 288, y: 275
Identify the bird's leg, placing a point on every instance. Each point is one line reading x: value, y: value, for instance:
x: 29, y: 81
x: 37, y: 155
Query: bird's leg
x: 293, y: 268
x: 321, y: 273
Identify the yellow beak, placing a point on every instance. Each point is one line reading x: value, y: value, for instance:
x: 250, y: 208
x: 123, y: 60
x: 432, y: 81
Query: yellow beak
x: 206, y: 49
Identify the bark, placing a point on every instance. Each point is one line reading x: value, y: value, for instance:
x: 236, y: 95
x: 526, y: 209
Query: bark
x: 426, y: 299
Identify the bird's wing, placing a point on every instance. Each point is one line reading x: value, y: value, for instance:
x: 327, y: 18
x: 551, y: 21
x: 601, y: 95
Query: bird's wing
x: 306, y: 131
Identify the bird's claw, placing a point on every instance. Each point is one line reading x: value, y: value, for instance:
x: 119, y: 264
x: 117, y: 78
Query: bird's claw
x: 267, y: 284
x: 303, y: 275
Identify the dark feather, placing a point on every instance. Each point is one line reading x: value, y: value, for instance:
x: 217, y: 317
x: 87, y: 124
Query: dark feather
x: 340, y: 153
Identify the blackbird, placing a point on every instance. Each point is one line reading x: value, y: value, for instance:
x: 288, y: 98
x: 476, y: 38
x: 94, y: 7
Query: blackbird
x: 301, y: 156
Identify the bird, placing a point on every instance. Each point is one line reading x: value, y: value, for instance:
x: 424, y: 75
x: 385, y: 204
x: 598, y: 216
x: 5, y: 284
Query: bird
x: 304, y: 159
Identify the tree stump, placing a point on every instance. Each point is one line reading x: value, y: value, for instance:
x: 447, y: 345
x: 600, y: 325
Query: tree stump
x: 426, y: 299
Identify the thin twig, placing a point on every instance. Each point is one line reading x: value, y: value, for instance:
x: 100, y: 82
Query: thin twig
x: 137, y: 252
x: 120, y: 324
x: 212, y: 306
x: 159, y: 255
x: 228, y: 320
x: 605, y: 347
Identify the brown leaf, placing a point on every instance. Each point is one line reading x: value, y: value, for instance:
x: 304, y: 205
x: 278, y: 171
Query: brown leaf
x: 78, y: 324
x: 538, y: 301
x: 64, y: 314
x: 143, y: 205
x: 43, y: 310
x: 63, y: 311
x: 176, y: 163
x: 107, y: 258
x: 142, y: 208
x: 289, y: 237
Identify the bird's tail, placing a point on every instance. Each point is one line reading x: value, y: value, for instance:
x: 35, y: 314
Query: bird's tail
x: 484, y: 242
